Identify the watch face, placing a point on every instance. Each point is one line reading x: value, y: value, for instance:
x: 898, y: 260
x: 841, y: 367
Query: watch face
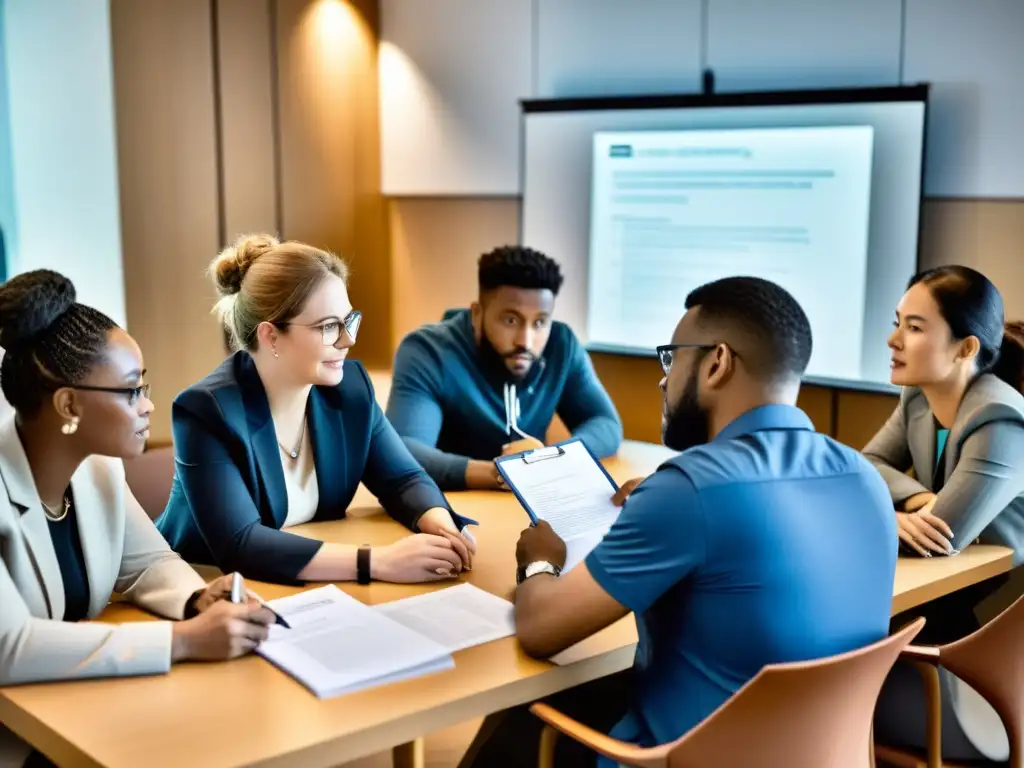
x: 542, y: 567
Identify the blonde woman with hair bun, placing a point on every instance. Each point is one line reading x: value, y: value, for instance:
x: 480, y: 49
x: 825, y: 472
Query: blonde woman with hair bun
x: 285, y: 429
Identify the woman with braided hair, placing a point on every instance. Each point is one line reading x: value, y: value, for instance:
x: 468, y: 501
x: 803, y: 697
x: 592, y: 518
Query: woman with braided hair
x: 71, y: 533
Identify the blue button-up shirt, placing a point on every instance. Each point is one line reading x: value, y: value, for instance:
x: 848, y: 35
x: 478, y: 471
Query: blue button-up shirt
x: 771, y: 543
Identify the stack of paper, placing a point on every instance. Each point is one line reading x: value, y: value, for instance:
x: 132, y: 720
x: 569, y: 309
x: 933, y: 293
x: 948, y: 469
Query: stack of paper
x: 338, y: 645
x: 456, y: 618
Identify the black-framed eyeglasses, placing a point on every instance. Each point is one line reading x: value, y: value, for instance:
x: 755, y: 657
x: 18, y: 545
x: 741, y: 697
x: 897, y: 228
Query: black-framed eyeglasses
x: 666, y: 353
x: 133, y: 393
x: 330, y: 332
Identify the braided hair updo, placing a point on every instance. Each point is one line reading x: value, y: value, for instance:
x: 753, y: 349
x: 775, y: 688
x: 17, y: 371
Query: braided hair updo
x: 49, y: 339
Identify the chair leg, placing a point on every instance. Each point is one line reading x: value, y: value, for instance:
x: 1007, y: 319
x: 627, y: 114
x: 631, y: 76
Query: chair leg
x: 933, y: 696
x: 548, y: 739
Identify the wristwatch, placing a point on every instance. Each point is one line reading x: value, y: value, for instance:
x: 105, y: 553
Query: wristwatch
x: 539, y: 566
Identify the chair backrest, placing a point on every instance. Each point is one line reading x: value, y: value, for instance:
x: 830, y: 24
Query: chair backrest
x: 150, y: 477
x: 813, y: 713
x: 991, y: 661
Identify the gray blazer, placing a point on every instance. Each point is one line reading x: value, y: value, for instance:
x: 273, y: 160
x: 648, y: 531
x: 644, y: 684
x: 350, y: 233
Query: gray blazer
x: 983, y: 466
x: 123, y: 553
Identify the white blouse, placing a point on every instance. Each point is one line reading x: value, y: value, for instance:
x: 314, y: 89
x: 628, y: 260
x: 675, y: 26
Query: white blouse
x: 300, y: 480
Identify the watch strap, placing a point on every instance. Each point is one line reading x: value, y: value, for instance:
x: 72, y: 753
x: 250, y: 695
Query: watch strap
x: 363, y: 565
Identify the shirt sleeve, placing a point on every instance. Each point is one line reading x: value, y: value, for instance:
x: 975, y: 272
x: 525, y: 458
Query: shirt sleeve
x: 987, y: 478
x: 415, y: 411
x: 151, y: 575
x: 658, y: 540
x: 394, y: 477
x: 889, y: 453
x: 586, y: 409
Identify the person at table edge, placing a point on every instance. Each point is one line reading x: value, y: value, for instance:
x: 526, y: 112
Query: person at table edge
x: 960, y: 425
x: 488, y: 380
x: 71, y: 533
x: 285, y: 429
x: 733, y: 555
x: 960, y: 419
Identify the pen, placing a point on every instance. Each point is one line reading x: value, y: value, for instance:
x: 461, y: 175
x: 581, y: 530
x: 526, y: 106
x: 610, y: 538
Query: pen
x: 236, y: 598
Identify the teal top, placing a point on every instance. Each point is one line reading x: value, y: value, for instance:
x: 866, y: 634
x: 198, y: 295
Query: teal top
x: 940, y: 444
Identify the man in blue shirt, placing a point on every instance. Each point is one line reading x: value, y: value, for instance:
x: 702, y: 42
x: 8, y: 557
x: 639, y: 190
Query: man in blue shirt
x: 488, y: 380
x: 762, y: 542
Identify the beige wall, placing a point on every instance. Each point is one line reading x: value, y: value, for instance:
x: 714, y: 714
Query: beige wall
x: 437, y: 240
x: 163, y: 81
x: 237, y: 116
x: 434, y: 248
x: 242, y: 115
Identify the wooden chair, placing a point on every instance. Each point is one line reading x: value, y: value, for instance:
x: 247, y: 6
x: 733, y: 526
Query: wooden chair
x: 812, y: 713
x: 150, y: 477
x: 991, y: 661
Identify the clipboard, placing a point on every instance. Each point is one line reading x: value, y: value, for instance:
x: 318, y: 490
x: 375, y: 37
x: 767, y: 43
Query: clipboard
x: 538, y: 455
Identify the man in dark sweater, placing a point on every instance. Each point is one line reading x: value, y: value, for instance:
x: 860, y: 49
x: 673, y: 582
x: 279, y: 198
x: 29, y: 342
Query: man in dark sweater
x: 488, y: 380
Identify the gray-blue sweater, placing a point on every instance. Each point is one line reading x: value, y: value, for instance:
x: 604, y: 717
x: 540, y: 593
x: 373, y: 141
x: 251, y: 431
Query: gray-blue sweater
x: 449, y: 406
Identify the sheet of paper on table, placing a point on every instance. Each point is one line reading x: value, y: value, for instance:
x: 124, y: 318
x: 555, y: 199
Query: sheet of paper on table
x: 457, y: 617
x: 338, y: 645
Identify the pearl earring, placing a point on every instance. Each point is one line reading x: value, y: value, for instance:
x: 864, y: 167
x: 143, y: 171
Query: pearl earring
x: 275, y: 353
x: 70, y: 427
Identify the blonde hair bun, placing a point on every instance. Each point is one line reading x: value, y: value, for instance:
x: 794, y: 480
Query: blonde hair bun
x: 231, y: 264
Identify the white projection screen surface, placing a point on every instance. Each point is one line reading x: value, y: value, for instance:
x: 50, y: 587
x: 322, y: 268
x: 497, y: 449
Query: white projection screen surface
x: 643, y: 199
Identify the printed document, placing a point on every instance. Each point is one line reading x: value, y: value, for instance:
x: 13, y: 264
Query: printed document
x: 456, y: 618
x: 338, y: 645
x: 570, y: 491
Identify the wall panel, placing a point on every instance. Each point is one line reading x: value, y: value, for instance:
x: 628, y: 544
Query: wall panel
x: 163, y: 78
x: 246, y: 69
x: 986, y: 235
x: 330, y: 188
x: 452, y: 73
x: 435, y: 245
x: 788, y: 44
x: 608, y: 47
x: 973, y: 53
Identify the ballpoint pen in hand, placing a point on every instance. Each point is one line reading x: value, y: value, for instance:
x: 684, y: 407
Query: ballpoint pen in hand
x: 237, y: 588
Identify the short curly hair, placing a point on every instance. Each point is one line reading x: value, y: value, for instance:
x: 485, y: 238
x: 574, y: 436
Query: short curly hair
x: 49, y: 339
x: 774, y: 326
x: 519, y: 267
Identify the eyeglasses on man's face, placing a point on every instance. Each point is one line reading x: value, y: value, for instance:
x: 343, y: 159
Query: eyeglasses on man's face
x: 667, y: 353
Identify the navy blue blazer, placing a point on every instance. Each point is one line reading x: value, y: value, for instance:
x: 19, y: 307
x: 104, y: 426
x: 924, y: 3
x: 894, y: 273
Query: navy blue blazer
x: 229, y: 500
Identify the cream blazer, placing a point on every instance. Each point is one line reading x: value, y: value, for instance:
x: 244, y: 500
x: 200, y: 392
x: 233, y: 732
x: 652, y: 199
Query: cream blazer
x: 123, y: 553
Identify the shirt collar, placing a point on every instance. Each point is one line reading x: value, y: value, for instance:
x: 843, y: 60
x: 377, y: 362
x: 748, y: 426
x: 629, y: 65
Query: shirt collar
x: 766, y: 417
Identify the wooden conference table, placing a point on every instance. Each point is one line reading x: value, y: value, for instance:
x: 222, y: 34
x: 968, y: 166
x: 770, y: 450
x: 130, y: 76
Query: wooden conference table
x: 246, y: 712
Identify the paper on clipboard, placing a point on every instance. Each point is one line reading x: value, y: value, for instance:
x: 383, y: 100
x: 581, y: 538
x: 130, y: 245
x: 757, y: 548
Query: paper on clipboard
x: 567, y: 487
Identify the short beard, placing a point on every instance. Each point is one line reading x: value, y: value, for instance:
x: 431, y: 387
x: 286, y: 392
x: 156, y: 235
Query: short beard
x: 686, y: 424
x: 496, y: 361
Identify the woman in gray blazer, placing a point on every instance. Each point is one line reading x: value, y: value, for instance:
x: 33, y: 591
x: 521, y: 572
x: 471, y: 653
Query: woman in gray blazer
x: 71, y: 533
x: 960, y: 426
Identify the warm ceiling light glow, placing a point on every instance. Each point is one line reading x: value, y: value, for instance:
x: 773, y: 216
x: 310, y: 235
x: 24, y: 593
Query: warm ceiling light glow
x: 336, y: 22
x: 415, y: 113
